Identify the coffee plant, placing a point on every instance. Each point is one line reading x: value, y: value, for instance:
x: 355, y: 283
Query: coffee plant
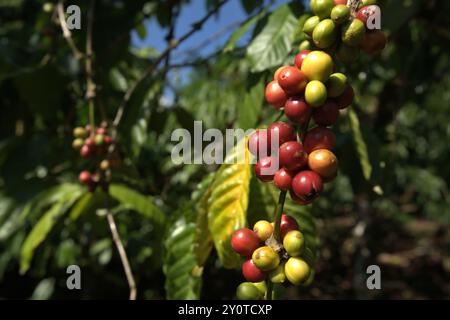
x: 356, y: 127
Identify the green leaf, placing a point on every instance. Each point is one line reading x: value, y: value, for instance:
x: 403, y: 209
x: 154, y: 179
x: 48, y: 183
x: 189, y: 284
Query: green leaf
x: 270, y: 47
x: 133, y: 200
x: 82, y: 205
x: 228, y: 204
x: 241, y: 31
x: 183, y: 276
x: 251, y: 108
x: 361, y: 147
x: 44, y: 289
x: 43, y: 227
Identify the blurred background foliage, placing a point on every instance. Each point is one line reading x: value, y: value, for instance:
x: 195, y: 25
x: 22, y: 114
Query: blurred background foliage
x: 389, y: 206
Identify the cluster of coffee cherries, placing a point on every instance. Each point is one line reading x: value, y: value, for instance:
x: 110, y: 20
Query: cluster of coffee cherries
x: 267, y: 260
x: 310, y: 89
x: 334, y: 27
x: 94, y: 144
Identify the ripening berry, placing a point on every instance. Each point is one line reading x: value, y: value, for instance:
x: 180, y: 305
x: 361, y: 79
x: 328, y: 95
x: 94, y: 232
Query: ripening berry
x: 244, y: 241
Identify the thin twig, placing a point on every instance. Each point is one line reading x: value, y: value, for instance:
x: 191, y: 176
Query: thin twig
x: 173, y: 44
x: 123, y: 255
x: 90, y: 89
x: 66, y: 32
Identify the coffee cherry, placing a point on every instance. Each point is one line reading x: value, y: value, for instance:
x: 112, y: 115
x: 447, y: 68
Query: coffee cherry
x: 292, y: 80
x: 252, y: 273
x: 294, y: 243
x: 277, y: 275
x: 292, y: 156
x: 86, y: 151
x: 315, y: 93
x: 99, y: 139
x: 307, y: 185
x: 325, y: 34
x: 85, y: 177
x: 259, y: 142
x: 340, y: 14
x: 275, y: 95
x: 353, y: 32
x: 79, y: 132
x: 373, y: 42
x: 327, y: 114
x: 319, y: 138
x: 322, y: 8
x: 287, y: 224
x: 347, y: 54
x: 323, y: 162
x: 244, y: 241
x: 336, y: 85
x: 77, y: 143
x: 338, y: 2
x: 262, y: 287
x: 297, y: 270
x: 345, y: 99
x: 283, y: 179
x: 367, y: 3
x: 310, y: 24
x: 365, y: 12
x: 263, y: 229
x: 248, y: 291
x: 265, y: 258
x: 284, y: 131
x: 300, y: 57
x: 305, y: 45
x: 104, y: 165
x: 101, y: 130
x: 317, y: 65
x: 107, y: 140
x: 90, y: 142
x: 297, y: 110
x: 266, y: 168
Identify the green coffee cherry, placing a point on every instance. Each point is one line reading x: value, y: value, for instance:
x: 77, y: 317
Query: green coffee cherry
x: 80, y: 132
x: 305, y: 45
x: 315, y: 93
x: 247, y: 291
x: 322, y: 8
x: 99, y: 139
x: 325, y: 34
x: 262, y: 287
x: 265, y: 258
x: 347, y: 54
x: 367, y: 3
x: 278, y: 275
x: 336, y: 84
x: 294, y: 243
x: 340, y: 14
x: 353, y: 32
x: 310, y: 279
x: 77, y: 143
x: 310, y: 24
x: 308, y: 256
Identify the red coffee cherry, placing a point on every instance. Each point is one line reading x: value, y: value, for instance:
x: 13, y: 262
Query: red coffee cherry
x: 86, y: 151
x: 307, y: 185
x: 252, y: 273
x: 287, y: 224
x: 275, y: 95
x: 101, y: 130
x: 300, y: 57
x: 365, y: 12
x: 297, y: 110
x: 277, y: 73
x: 345, y: 99
x: 338, y: 2
x: 327, y: 114
x: 283, y: 179
x: 319, y: 138
x: 107, y: 140
x: 373, y: 42
x: 285, y: 132
x: 292, y: 156
x: 90, y: 142
x: 265, y: 163
x: 85, y: 177
x: 258, y: 140
x: 244, y: 241
x: 292, y: 80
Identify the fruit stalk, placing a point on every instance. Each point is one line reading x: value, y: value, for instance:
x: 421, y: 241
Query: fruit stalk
x: 353, y: 5
x: 276, y: 233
